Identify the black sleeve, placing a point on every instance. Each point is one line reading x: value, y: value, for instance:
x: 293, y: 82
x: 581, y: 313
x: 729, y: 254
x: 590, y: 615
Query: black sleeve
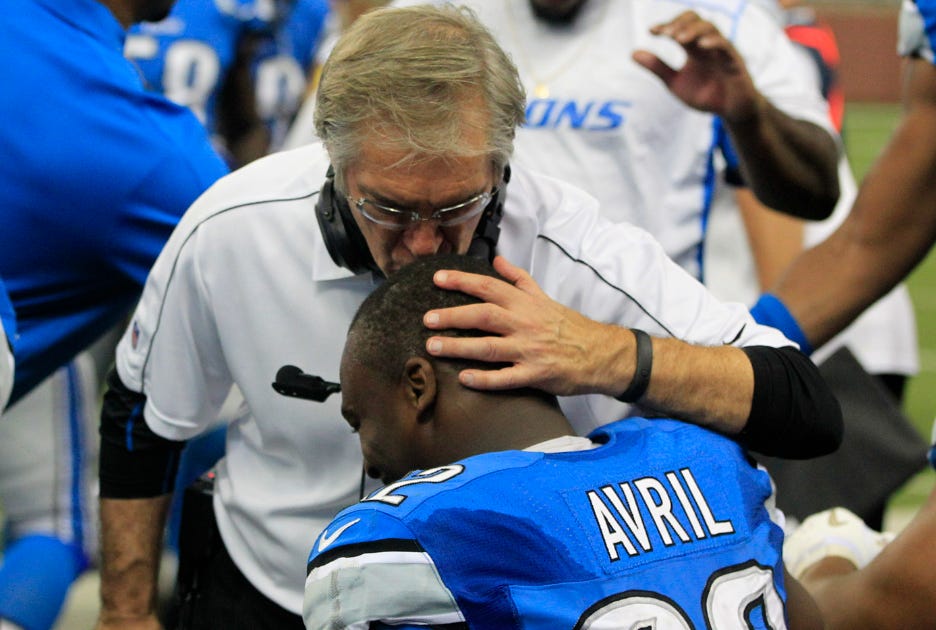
x: 134, y: 463
x: 794, y: 413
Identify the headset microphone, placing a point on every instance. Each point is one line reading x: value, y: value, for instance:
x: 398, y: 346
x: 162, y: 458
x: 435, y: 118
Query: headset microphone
x: 291, y: 381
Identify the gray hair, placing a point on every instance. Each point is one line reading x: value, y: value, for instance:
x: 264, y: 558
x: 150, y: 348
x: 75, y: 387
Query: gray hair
x: 405, y: 78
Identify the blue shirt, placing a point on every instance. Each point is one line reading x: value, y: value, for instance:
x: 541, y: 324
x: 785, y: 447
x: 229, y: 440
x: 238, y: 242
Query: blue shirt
x: 665, y: 520
x: 95, y: 175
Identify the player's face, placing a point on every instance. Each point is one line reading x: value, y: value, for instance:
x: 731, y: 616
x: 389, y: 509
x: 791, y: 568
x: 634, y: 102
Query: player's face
x: 424, y: 186
x: 379, y: 413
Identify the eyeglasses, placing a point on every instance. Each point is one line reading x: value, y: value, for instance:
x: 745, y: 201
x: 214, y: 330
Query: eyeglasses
x: 396, y: 219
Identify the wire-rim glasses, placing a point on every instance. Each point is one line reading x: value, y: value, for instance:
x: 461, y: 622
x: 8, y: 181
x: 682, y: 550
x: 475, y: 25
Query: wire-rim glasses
x: 396, y: 219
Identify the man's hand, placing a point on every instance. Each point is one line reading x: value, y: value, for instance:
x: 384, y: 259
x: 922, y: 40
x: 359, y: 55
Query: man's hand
x: 550, y: 346
x: 714, y: 78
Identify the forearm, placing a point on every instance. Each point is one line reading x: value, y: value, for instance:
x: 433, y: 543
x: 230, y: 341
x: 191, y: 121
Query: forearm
x: 131, y: 543
x: 709, y: 386
x: 891, y: 227
x: 772, y: 400
x: 790, y: 164
x: 136, y: 474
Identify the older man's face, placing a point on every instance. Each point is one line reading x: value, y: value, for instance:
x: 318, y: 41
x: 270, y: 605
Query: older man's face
x: 424, y: 186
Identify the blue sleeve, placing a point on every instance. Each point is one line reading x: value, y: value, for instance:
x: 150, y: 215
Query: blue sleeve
x: 770, y: 311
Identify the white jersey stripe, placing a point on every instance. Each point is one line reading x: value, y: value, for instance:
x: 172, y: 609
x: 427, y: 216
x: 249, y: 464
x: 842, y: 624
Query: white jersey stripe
x: 401, y: 587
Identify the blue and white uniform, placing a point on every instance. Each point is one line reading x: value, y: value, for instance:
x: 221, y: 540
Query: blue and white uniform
x: 96, y: 174
x: 663, y: 523
x: 188, y: 56
x: 284, y: 62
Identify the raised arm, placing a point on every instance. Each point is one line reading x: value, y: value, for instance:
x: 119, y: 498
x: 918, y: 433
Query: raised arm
x: 789, y: 163
x: 890, y: 229
x: 557, y: 349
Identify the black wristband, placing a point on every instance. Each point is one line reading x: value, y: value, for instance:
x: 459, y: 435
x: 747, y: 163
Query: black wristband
x: 641, y: 378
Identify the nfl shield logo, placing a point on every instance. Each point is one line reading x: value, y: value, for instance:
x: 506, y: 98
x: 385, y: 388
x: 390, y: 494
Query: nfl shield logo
x: 134, y: 334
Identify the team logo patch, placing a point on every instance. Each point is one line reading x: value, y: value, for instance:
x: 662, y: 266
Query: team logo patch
x: 134, y: 335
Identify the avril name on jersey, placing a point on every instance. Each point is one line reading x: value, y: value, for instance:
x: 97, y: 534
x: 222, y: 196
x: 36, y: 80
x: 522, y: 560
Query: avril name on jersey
x: 623, y: 512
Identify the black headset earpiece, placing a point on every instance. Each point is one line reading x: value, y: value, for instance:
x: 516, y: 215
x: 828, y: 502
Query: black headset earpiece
x: 343, y: 238
x: 484, y: 241
x: 348, y: 248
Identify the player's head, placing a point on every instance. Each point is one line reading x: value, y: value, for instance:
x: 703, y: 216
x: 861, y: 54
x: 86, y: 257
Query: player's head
x: 130, y: 12
x: 409, y: 409
x: 417, y: 108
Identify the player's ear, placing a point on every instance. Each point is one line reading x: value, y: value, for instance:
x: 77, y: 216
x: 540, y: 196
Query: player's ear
x: 421, y: 383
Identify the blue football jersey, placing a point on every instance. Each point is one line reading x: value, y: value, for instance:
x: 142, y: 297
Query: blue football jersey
x: 283, y: 62
x: 95, y: 175
x: 187, y: 56
x: 664, y: 523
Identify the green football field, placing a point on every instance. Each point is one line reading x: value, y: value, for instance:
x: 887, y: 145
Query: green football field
x: 867, y: 127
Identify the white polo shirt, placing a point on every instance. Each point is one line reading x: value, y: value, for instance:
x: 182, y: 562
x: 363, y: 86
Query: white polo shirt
x: 245, y: 285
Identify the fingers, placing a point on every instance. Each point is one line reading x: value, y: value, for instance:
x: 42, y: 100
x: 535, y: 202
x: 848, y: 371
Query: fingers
x: 486, y: 317
x: 654, y: 64
x: 506, y: 378
x: 483, y: 287
x: 488, y: 349
x: 520, y: 278
x: 688, y: 29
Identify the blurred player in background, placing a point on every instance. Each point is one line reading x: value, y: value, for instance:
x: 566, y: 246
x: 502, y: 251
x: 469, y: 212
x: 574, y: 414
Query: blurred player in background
x: 883, y: 340
x: 240, y: 65
x: 96, y: 175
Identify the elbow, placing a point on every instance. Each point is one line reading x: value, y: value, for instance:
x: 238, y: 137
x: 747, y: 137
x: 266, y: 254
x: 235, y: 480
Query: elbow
x: 794, y: 414
x: 830, y: 427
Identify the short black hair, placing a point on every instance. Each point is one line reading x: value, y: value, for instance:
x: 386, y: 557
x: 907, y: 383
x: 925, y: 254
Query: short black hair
x: 388, y: 327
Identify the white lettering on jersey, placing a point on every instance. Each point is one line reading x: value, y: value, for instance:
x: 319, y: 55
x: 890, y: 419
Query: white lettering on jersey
x: 621, y: 523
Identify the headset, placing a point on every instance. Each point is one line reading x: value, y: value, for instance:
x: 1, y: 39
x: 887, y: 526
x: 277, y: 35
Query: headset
x: 348, y: 248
